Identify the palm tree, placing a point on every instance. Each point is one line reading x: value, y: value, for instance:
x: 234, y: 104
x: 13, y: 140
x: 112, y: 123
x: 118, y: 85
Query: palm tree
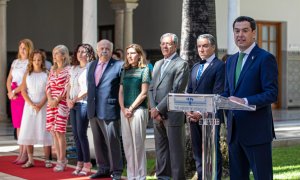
x: 198, y: 17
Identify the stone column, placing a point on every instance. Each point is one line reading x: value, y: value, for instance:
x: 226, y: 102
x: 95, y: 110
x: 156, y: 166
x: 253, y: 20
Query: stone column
x: 233, y: 13
x: 89, y: 23
x: 123, y: 21
x: 3, y: 60
x: 128, y: 23
x: 119, y: 24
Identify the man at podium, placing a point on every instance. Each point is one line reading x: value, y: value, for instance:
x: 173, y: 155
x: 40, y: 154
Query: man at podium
x: 206, y: 77
x: 251, y: 79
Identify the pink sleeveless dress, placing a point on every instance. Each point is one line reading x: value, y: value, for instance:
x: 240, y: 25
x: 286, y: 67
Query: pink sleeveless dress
x: 18, y: 69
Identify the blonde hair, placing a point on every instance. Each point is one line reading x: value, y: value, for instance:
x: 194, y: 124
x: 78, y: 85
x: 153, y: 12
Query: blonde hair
x: 65, y: 52
x: 29, y: 47
x: 142, y: 59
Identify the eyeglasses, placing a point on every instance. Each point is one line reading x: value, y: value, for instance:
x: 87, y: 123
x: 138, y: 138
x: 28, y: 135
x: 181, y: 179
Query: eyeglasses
x: 166, y: 44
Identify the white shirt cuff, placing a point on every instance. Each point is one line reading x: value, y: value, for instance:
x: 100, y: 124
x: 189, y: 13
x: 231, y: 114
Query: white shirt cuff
x: 246, y: 101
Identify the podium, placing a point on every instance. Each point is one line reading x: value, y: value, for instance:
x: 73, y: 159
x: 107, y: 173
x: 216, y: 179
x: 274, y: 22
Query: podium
x: 207, y: 105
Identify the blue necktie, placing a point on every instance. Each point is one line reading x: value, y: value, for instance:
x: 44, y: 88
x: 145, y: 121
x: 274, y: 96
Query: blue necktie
x: 200, y: 70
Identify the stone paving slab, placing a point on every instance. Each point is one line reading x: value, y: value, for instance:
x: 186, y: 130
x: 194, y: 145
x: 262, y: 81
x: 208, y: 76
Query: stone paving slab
x: 4, y: 176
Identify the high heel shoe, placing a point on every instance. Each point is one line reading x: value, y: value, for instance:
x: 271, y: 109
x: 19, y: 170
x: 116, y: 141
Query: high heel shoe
x: 28, y: 165
x: 60, y: 166
x: 86, y: 169
x: 16, y: 160
x: 78, y: 168
x: 20, y: 162
x: 48, y: 164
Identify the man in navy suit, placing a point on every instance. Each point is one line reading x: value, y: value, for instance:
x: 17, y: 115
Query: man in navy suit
x: 251, y: 79
x: 103, y: 79
x: 207, y: 77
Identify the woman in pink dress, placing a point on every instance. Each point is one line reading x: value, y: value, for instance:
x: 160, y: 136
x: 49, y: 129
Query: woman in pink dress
x: 13, y: 84
x: 57, y: 109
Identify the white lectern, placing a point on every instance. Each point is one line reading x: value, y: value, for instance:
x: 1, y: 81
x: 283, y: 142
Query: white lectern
x: 206, y: 104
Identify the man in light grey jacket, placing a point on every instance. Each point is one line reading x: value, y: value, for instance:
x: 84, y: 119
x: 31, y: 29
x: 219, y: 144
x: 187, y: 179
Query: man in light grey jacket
x: 170, y: 75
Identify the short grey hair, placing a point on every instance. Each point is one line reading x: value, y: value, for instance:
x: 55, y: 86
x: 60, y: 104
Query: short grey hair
x: 65, y: 52
x: 173, y: 37
x: 107, y: 41
x: 211, y: 39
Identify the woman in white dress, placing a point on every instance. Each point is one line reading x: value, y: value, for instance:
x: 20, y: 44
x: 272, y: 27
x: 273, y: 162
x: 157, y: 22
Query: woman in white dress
x: 33, y: 125
x: 13, y: 84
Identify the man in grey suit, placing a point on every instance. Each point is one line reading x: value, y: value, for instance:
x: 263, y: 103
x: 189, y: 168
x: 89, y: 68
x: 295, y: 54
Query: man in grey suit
x: 103, y: 78
x: 170, y: 75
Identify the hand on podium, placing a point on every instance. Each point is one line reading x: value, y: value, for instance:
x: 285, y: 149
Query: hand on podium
x: 238, y: 100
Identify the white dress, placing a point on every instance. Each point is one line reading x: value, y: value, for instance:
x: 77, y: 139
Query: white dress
x: 18, y: 68
x: 33, y: 126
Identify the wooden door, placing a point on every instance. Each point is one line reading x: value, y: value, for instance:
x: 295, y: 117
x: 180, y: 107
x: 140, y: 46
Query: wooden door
x: 269, y: 38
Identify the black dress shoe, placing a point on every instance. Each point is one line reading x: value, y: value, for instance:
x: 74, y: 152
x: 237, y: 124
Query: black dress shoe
x: 116, y: 176
x: 99, y: 175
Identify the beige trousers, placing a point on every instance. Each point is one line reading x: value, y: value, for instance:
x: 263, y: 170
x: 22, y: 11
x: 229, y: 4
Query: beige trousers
x: 134, y: 135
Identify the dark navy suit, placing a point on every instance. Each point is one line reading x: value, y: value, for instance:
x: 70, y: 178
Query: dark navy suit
x: 103, y: 99
x: 104, y: 113
x: 211, y: 82
x: 250, y: 133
